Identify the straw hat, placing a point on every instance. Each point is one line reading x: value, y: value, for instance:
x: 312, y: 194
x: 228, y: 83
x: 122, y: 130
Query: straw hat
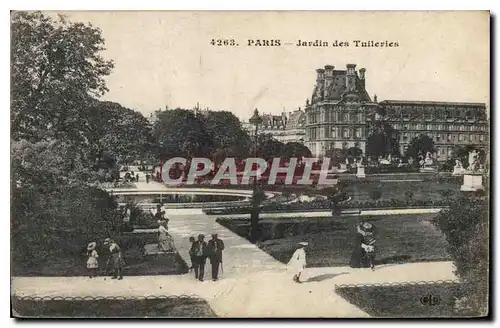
x: 367, y: 226
x: 108, y: 241
x: 91, y: 246
x: 303, y: 243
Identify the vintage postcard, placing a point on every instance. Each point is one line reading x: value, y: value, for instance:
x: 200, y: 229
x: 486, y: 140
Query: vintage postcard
x: 250, y: 164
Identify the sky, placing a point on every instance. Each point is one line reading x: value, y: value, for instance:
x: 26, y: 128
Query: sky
x: 166, y: 59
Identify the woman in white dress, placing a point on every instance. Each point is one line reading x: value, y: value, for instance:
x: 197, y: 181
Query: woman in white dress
x: 297, y: 263
x: 92, y: 256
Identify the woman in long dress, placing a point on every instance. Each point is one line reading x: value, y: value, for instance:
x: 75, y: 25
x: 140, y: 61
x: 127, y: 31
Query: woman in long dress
x: 298, y: 262
x: 92, y: 263
x: 165, y: 242
x: 359, y: 257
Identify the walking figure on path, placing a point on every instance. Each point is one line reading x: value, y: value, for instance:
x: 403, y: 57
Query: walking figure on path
x: 199, y: 249
x: 215, y: 248
x: 115, y: 259
x: 92, y: 264
x: 363, y: 255
x: 298, y: 262
x: 191, y: 253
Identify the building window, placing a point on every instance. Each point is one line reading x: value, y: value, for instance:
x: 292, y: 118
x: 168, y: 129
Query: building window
x: 481, y: 138
x: 346, y: 132
x: 327, y: 132
x: 334, y: 132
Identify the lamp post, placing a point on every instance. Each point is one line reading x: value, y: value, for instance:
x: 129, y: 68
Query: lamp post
x: 255, y: 120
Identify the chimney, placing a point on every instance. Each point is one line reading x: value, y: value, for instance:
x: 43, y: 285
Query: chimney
x: 328, y: 80
x: 350, y: 79
x: 318, y: 89
x: 362, y: 77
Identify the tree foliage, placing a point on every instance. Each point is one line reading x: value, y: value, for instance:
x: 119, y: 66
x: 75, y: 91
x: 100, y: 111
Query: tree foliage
x: 181, y: 133
x: 56, y: 66
x: 466, y: 227
x: 295, y: 149
x: 382, y: 140
x: 117, y: 132
x: 419, y: 146
x: 228, y: 136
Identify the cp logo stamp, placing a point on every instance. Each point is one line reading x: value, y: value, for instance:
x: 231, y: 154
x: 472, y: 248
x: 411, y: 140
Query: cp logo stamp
x: 430, y: 300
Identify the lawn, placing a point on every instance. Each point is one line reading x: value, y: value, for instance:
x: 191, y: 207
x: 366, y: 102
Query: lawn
x: 406, y: 301
x: 401, y: 238
x: 136, y: 263
x: 396, y: 190
x: 176, y: 307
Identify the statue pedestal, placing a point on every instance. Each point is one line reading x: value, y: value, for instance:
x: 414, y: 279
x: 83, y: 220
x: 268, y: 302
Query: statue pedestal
x: 472, y: 182
x: 457, y: 171
x: 361, y: 172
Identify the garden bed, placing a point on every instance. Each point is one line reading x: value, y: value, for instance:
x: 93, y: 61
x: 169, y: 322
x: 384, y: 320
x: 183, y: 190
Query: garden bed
x: 400, y: 239
x: 164, y: 307
x: 324, y: 205
x: 406, y: 300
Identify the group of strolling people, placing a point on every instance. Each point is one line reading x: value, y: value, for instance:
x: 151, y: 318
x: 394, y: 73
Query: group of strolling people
x: 200, y: 251
x: 114, y: 262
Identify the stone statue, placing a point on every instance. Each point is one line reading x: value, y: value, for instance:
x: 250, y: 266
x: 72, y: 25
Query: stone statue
x: 428, y: 159
x: 346, y: 161
x: 473, y: 154
x: 474, y: 165
x: 458, y: 164
x: 360, y: 161
x: 400, y: 163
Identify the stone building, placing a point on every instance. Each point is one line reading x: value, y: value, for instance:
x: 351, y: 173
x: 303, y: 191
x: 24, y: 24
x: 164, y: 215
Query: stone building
x: 287, y: 127
x: 448, y: 123
x: 341, y: 112
x: 338, y: 114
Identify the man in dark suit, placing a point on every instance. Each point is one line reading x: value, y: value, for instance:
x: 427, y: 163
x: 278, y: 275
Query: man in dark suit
x: 199, y: 252
x: 215, y: 248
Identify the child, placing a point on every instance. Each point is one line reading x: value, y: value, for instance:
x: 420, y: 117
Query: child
x: 368, y: 244
x: 92, y: 264
x: 298, y: 261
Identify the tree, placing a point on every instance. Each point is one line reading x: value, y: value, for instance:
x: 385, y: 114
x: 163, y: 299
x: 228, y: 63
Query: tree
x: 420, y: 146
x: 354, y: 152
x: 53, y: 213
x: 118, y: 132
x: 258, y: 196
x: 337, y: 155
x: 382, y: 140
x: 227, y: 134
x: 56, y: 67
x: 268, y: 147
x: 466, y: 227
x: 295, y: 149
x: 180, y: 133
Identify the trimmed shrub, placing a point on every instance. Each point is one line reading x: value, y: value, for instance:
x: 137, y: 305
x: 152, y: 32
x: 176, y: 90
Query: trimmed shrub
x: 466, y: 227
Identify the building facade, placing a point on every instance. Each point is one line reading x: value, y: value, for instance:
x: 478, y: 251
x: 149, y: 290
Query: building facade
x: 287, y: 127
x: 341, y: 112
x: 447, y: 123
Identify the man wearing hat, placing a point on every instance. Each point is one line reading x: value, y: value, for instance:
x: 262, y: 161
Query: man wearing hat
x: 297, y: 263
x: 92, y: 264
x: 116, y: 258
x: 199, y: 251
x: 215, y: 248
